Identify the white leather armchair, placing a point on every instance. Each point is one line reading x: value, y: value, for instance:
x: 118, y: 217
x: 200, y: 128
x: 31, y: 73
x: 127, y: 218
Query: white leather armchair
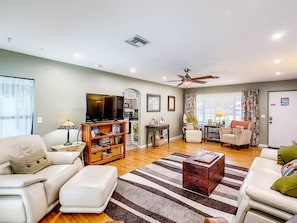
x: 239, y: 134
x: 29, y: 197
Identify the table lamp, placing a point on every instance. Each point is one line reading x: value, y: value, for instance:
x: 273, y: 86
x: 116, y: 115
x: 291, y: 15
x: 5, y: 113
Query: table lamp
x: 219, y: 114
x: 68, y: 125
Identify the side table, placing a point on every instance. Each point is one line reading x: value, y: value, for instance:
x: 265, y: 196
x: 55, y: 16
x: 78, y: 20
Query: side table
x: 154, y: 129
x: 75, y: 147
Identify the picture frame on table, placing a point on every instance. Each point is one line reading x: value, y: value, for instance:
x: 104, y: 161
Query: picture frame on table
x: 153, y: 103
x: 171, y: 103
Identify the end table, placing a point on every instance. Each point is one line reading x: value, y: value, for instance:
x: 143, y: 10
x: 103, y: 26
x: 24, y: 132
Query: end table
x: 75, y: 147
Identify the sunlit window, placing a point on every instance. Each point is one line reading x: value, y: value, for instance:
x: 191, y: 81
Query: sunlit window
x: 16, y: 106
x: 208, y: 105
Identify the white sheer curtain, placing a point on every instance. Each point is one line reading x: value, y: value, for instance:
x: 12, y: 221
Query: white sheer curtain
x: 209, y: 104
x: 16, y: 106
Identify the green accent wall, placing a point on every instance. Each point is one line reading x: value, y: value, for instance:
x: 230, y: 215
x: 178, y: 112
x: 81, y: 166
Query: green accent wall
x: 60, y: 94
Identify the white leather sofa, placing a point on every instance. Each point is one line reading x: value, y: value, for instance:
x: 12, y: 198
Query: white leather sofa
x: 257, y: 202
x: 27, y: 198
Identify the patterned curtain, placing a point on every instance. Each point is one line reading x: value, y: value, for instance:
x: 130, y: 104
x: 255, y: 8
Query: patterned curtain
x: 190, y: 103
x: 250, y: 112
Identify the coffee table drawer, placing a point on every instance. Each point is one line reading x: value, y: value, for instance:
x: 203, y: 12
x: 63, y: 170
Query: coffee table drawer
x: 196, y: 183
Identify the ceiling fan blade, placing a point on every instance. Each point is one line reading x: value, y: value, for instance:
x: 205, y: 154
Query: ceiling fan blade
x: 199, y: 82
x: 181, y: 76
x: 179, y: 84
x: 173, y: 81
x: 204, y: 77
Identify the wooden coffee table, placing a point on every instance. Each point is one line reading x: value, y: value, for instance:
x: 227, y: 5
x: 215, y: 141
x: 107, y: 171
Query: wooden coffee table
x: 203, y: 177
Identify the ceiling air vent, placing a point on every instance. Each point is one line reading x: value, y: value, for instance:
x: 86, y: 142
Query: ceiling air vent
x: 138, y: 41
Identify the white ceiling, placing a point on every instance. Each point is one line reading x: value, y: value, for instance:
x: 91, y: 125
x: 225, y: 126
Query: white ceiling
x: 227, y: 38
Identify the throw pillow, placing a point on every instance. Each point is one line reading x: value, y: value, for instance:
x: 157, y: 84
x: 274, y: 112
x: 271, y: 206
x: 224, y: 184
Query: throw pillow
x: 286, y: 154
x: 289, y: 168
x: 31, y: 163
x: 286, y: 185
x: 237, y: 129
x: 190, y: 126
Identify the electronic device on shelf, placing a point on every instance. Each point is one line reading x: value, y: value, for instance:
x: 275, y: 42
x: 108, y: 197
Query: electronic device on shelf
x: 101, y: 107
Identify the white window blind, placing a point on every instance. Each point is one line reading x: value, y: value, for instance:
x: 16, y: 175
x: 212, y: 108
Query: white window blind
x: 16, y: 106
x: 209, y: 104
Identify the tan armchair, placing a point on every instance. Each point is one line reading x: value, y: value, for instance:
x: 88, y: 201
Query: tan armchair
x: 191, y: 130
x: 239, y: 134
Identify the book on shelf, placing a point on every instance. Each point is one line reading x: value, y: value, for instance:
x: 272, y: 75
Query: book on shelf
x: 207, y: 157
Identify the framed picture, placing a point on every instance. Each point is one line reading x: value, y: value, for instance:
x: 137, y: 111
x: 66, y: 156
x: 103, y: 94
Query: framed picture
x: 171, y: 103
x: 153, y: 102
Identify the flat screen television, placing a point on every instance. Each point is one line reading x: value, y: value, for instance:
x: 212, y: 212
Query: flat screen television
x: 102, y: 107
x: 95, y: 107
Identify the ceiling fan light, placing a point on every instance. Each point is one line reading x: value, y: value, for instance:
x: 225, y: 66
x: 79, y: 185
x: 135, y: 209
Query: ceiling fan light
x: 187, y: 83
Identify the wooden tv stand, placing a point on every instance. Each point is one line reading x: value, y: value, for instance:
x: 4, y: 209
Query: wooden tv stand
x: 105, y: 141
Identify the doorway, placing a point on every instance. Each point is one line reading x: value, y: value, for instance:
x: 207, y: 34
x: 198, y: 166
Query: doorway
x: 282, y: 118
x: 132, y: 117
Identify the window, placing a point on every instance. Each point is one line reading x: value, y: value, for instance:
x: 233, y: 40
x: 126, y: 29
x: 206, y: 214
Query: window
x: 209, y: 104
x: 17, y: 106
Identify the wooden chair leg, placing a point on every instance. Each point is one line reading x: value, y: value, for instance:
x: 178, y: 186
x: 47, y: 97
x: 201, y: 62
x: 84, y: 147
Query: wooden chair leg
x: 215, y: 220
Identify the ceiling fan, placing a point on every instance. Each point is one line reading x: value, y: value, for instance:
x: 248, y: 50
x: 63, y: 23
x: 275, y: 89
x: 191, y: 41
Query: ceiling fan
x: 188, y: 80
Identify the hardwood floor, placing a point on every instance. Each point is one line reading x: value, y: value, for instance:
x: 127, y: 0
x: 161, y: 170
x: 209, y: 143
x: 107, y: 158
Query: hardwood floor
x: 140, y: 157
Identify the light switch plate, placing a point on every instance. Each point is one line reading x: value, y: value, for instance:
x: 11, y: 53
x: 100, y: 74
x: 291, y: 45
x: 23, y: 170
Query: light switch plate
x: 39, y: 120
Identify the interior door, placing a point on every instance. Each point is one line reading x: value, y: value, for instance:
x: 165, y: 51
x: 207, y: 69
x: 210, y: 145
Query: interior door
x: 282, y: 118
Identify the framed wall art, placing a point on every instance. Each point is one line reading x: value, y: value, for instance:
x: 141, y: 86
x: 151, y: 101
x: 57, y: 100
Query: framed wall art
x: 153, y: 102
x: 171, y: 103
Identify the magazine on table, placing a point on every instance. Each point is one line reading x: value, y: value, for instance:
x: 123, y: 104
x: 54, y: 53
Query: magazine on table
x: 207, y: 157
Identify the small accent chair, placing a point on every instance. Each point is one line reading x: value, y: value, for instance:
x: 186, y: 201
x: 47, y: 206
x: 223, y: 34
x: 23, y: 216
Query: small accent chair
x: 239, y: 134
x: 191, y: 131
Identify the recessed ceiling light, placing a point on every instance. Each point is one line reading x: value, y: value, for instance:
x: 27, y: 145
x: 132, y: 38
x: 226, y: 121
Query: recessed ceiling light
x: 278, y: 73
x: 164, y: 78
x: 77, y: 55
x: 276, y: 61
x: 277, y: 36
x: 132, y: 70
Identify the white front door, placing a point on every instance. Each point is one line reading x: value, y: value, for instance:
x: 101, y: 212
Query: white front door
x: 282, y: 119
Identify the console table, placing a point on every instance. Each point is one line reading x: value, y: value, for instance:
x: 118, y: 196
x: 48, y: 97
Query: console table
x: 154, y: 129
x: 211, y: 133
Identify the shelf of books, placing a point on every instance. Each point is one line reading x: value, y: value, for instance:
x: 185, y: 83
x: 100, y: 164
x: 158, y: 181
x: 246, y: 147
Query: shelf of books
x: 105, y: 141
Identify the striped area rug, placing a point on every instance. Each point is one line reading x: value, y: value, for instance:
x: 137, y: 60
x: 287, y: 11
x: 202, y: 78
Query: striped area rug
x: 154, y: 193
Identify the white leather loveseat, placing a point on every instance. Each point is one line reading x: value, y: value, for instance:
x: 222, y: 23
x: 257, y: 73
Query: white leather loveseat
x: 27, y: 197
x: 257, y: 202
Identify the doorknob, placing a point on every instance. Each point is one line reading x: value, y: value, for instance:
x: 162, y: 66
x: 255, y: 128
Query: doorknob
x: 270, y: 119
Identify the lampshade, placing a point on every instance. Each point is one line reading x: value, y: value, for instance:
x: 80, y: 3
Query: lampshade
x: 68, y: 125
x: 219, y: 114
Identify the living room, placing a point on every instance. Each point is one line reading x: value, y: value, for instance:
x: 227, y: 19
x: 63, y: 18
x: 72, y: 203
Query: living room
x: 61, y: 84
x: 56, y: 103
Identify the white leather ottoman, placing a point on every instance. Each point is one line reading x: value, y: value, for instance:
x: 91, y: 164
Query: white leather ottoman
x: 89, y: 190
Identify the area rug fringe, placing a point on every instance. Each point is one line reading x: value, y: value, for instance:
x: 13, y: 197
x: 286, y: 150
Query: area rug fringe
x: 154, y: 193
